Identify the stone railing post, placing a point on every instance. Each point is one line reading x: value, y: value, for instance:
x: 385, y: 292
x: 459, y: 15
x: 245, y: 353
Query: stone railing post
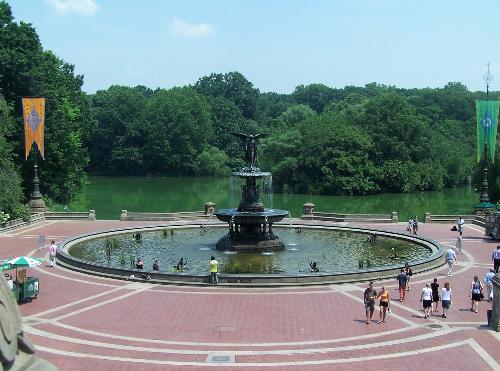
x: 427, y: 218
x: 308, y: 209
x: 495, y: 307
x: 394, y: 217
x: 209, y: 208
x: 92, y: 215
x: 123, y: 215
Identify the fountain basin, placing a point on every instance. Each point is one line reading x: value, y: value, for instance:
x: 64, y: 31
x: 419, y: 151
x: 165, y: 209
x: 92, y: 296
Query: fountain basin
x: 336, y: 265
x: 251, y: 231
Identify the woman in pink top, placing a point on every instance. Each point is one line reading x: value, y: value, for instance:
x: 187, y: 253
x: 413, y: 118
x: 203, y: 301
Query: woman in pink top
x: 52, y: 253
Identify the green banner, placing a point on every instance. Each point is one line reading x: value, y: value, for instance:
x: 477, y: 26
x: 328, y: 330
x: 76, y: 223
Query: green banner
x: 487, y: 119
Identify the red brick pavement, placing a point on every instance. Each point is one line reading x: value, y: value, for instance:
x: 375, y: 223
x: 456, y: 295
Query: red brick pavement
x: 80, y: 322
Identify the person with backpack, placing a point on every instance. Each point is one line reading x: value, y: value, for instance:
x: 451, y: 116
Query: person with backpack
x: 476, y: 293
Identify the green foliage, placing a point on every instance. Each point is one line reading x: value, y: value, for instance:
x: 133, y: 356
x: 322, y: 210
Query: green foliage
x: 316, y: 96
x: 11, y: 196
x: 232, y: 86
x: 4, y: 217
x: 212, y: 162
x: 27, y: 70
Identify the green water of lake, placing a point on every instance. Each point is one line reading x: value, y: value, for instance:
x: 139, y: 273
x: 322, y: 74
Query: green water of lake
x: 109, y: 195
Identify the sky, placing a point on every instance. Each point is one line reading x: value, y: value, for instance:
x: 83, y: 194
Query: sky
x: 275, y: 44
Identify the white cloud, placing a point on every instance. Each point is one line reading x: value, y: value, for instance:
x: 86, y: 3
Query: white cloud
x: 182, y: 28
x: 84, y: 7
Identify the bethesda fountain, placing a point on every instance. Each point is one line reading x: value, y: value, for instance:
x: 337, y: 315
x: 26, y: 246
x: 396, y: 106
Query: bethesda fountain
x: 250, y: 225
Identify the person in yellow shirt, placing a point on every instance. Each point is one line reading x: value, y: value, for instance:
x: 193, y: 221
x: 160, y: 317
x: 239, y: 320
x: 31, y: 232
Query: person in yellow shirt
x: 383, y: 295
x: 213, y: 270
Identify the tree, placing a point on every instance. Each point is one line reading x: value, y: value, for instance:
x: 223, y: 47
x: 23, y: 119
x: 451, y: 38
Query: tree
x: 11, y: 197
x: 212, y: 162
x: 116, y: 143
x: 398, y: 132
x: 233, y: 86
x: 27, y: 70
x: 342, y: 166
x: 177, y: 130
x: 316, y: 96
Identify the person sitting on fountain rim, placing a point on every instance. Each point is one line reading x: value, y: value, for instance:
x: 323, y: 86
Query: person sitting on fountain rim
x: 313, y: 267
x: 139, y: 264
x: 156, y: 266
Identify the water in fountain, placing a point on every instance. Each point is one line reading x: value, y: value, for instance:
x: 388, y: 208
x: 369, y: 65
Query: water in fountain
x: 292, y: 244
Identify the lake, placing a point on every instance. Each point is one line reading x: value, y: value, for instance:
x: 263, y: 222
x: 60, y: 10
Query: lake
x: 109, y: 195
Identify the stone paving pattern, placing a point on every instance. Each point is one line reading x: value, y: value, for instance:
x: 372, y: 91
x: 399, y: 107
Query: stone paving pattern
x: 82, y: 322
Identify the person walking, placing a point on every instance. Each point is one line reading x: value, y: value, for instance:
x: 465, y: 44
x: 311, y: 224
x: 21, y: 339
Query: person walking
x: 458, y: 245
x: 460, y: 225
x: 495, y: 257
x: 426, y: 299
x: 52, y: 253
x: 409, y: 228
x: 435, y: 295
x: 409, y: 274
x: 383, y: 295
x: 476, y: 290
x: 446, y: 298
x: 369, y: 300
x: 488, y: 282
x: 214, y: 264
x: 450, y: 258
x: 402, y: 280
x: 415, y: 225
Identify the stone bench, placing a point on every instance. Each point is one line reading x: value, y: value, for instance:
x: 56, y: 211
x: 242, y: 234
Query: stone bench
x: 70, y: 215
x: 453, y: 219
x: 360, y: 218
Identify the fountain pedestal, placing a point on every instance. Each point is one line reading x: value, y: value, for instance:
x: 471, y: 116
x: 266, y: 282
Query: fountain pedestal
x: 250, y: 225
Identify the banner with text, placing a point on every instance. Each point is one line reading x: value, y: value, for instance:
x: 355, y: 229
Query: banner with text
x: 487, y: 119
x: 34, y: 118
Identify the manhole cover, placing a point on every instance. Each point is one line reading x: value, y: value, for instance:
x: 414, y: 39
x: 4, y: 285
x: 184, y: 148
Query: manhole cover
x: 220, y: 358
x: 226, y: 329
x: 435, y: 326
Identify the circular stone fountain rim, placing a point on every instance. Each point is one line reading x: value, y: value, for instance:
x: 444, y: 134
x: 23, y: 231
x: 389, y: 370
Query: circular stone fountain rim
x: 253, y: 280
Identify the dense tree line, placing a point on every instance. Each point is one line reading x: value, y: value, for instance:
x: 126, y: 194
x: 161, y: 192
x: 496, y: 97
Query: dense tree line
x: 324, y: 140
x: 355, y: 140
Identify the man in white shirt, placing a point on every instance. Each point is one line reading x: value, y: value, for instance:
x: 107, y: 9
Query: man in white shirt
x: 495, y: 256
x: 450, y: 258
x: 488, y: 281
x: 460, y: 225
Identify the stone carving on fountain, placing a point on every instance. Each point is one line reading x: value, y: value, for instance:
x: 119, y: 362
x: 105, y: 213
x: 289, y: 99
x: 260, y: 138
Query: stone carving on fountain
x: 16, y: 350
x: 250, y: 225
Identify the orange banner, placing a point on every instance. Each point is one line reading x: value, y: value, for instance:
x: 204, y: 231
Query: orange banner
x: 34, y: 120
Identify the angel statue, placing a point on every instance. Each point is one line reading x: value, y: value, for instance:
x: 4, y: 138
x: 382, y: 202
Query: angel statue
x: 250, y: 147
